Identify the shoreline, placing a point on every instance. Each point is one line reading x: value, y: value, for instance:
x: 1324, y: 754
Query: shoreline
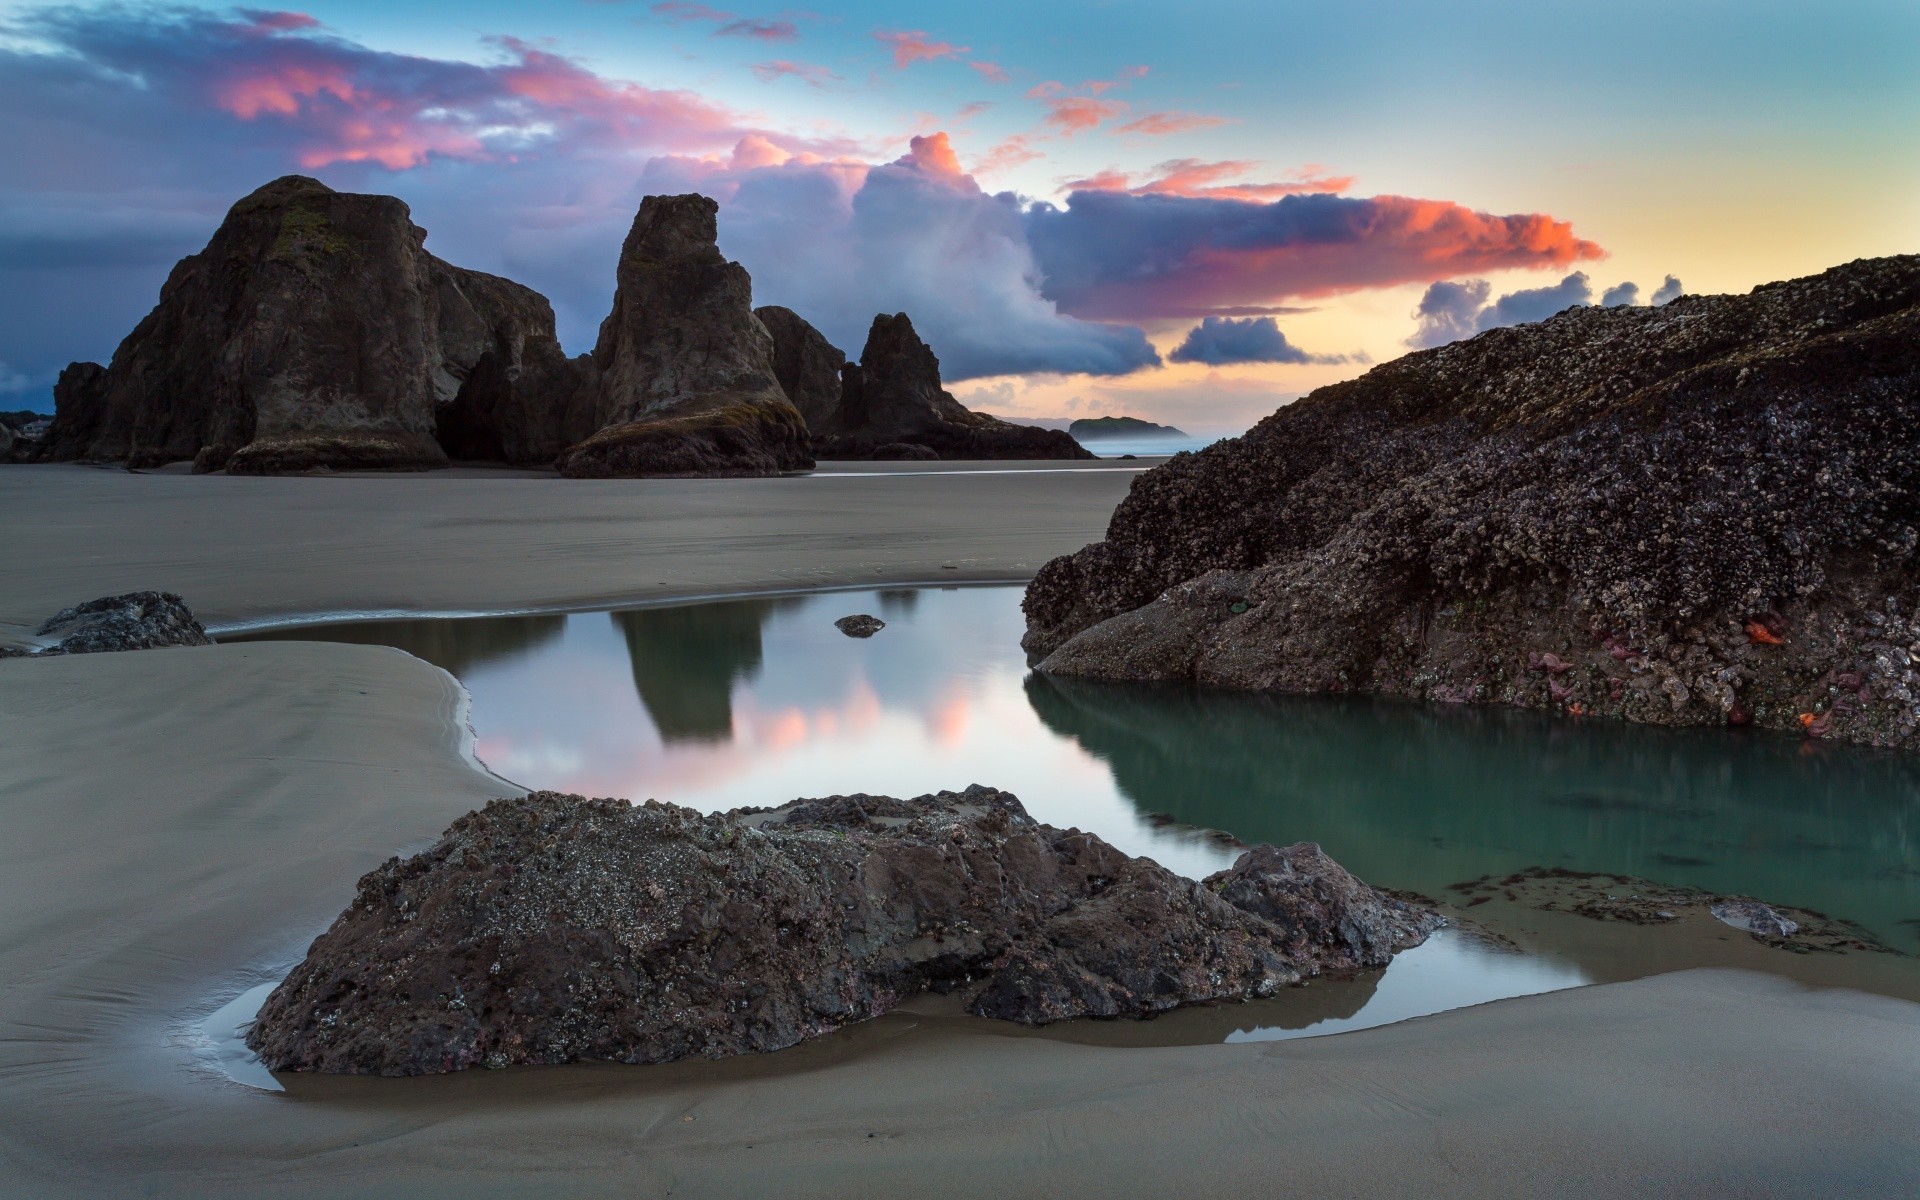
x: 182, y: 820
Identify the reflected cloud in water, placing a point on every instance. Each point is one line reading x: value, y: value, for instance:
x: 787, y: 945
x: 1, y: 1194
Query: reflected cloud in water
x: 759, y: 701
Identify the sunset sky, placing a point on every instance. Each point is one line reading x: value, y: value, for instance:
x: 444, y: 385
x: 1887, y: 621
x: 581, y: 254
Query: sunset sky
x: 1187, y: 213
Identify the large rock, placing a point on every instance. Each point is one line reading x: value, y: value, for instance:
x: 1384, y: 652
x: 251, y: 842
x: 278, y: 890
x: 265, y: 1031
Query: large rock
x: 807, y: 365
x: 553, y: 928
x: 892, y: 399
x: 686, y: 375
x: 134, y: 621
x: 313, y: 331
x: 79, y: 409
x: 1703, y: 513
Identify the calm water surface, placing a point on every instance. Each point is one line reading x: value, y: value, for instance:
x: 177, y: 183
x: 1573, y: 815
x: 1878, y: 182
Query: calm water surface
x: 718, y: 705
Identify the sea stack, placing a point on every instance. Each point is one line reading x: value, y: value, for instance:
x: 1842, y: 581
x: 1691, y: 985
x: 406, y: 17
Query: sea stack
x: 891, y: 405
x: 1701, y: 513
x: 314, y: 331
x: 686, y: 371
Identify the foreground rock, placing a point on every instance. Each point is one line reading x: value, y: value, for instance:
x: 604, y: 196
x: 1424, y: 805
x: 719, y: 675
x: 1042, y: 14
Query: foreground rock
x: 554, y: 928
x: 134, y: 621
x: 890, y: 404
x: 1704, y: 513
x: 314, y: 331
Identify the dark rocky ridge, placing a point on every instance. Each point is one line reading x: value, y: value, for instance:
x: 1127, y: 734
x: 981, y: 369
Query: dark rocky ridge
x: 553, y: 928
x: 1703, y: 513
x: 313, y: 330
x: 891, y: 405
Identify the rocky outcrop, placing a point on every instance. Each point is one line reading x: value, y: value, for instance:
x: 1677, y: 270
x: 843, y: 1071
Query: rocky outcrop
x: 134, y: 621
x: 892, y: 401
x: 553, y: 928
x: 79, y: 409
x: 314, y: 331
x: 1703, y: 513
x: 686, y: 377
x: 739, y: 435
x: 807, y: 365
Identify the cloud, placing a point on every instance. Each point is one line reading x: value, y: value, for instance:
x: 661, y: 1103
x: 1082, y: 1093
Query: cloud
x: 728, y: 24
x: 1159, y: 124
x: 1193, y: 177
x: 1112, y: 255
x: 336, y: 101
x: 1007, y: 153
x: 1450, y: 310
x: 1069, y: 115
x: 1668, y: 291
x: 1218, y: 341
x: 991, y: 72
x: 915, y: 45
x: 841, y: 241
x: 812, y: 74
x: 1537, y: 304
x: 1621, y: 295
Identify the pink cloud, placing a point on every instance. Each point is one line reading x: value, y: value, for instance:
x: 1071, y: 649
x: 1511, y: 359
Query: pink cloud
x: 933, y: 155
x: 1114, y: 255
x: 680, y: 11
x: 1193, y: 177
x: 915, y: 45
x: 1077, y: 114
x: 762, y: 31
x: 730, y: 24
x: 1159, y: 124
x: 809, y: 73
x: 340, y: 102
x: 991, y: 72
x: 1007, y: 153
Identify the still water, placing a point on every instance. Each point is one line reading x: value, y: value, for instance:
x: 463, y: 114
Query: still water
x: 758, y: 701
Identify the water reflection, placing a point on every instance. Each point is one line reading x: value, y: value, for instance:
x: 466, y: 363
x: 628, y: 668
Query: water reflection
x: 460, y: 647
x: 1421, y: 796
x: 760, y: 701
x: 687, y: 660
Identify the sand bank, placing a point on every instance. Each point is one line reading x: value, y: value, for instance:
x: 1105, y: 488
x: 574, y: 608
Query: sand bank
x: 254, y: 549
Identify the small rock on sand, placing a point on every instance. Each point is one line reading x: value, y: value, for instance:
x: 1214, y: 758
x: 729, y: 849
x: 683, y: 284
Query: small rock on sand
x: 860, y: 625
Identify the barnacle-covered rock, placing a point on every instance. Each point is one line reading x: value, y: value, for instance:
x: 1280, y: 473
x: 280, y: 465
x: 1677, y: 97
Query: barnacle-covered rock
x: 1702, y: 513
x: 553, y: 928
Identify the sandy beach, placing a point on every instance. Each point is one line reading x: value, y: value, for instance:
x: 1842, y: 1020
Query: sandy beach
x: 181, y: 822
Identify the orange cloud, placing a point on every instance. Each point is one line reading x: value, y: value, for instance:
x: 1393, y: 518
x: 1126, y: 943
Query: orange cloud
x: 991, y: 72
x: 1077, y: 114
x: 1193, y: 177
x: 915, y: 45
x: 1158, y: 124
x: 1008, y: 152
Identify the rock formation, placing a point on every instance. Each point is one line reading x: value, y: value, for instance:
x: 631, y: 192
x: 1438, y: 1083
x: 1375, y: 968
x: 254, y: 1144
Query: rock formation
x: 686, y: 376
x: 313, y: 331
x: 892, y: 406
x: 1131, y: 428
x: 134, y: 621
x: 1703, y: 513
x: 807, y: 365
x: 553, y: 928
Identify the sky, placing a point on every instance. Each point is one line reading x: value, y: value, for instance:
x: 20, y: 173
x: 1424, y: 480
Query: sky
x: 1190, y: 214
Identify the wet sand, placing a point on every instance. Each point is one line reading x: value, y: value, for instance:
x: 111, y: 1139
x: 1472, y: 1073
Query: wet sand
x: 244, y: 550
x: 178, y: 823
